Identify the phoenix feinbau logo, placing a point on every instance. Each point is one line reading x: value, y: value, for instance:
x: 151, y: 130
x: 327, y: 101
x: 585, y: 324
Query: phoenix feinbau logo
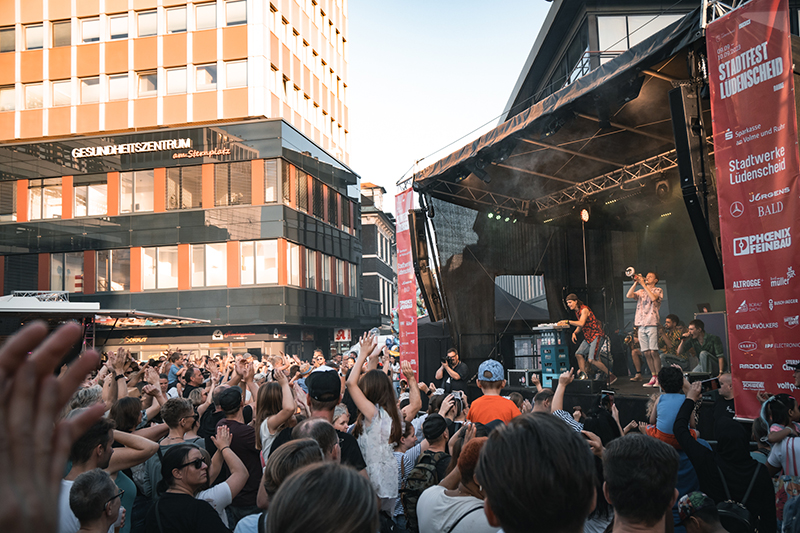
x: 762, y: 242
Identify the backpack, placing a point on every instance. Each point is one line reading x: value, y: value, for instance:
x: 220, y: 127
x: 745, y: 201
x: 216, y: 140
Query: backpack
x: 422, y: 476
x: 734, y: 516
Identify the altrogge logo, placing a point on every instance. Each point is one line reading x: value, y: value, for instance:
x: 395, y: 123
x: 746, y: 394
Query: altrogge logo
x: 762, y: 242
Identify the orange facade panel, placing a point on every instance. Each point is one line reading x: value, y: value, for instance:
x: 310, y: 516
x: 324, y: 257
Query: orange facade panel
x: 89, y: 271
x: 234, y: 43
x: 175, y: 109
x: 145, y: 53
x: 30, y: 123
x: 31, y: 11
x: 184, y: 266
x: 257, y: 181
x: 144, y: 4
x: 7, y: 125
x: 87, y: 118
x: 31, y: 66
x: 234, y: 268
x: 145, y: 112
x: 204, y: 106
x: 87, y: 8
x: 116, y: 56
x: 204, y: 46
x: 7, y: 12
x: 43, y: 275
x: 7, y: 68
x: 160, y: 190
x: 60, y: 63
x: 274, y: 50
x: 88, y: 61
x: 174, y: 54
x: 286, y: 66
x: 234, y: 103
x: 112, y: 194
x: 282, y: 266
x: 275, y: 107
x: 116, y: 6
x: 136, y: 269
x: 67, y: 197
x: 116, y: 115
x: 58, y: 9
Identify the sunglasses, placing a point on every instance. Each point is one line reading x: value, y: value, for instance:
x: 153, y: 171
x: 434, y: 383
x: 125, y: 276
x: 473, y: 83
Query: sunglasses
x: 195, y: 416
x: 121, y: 492
x: 197, y: 463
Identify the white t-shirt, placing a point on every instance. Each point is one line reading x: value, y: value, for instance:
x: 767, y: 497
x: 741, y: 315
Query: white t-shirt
x: 266, y: 439
x: 172, y: 393
x: 219, y: 496
x: 438, y: 512
x: 248, y: 524
x: 67, y: 521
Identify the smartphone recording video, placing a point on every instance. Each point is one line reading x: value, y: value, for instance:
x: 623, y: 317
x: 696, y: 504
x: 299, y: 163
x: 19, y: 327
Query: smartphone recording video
x: 709, y: 384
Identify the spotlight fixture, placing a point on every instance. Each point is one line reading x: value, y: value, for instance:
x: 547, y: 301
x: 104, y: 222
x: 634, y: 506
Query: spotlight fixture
x: 662, y: 190
x: 585, y: 214
x: 490, y: 215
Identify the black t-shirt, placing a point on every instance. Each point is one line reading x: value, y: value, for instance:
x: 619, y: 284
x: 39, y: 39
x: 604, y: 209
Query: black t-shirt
x: 723, y: 408
x: 351, y: 453
x: 181, y: 513
x: 243, y: 444
x: 209, y: 421
x: 449, y: 384
x: 188, y: 389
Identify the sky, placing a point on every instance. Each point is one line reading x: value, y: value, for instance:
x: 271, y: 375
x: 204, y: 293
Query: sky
x: 424, y: 73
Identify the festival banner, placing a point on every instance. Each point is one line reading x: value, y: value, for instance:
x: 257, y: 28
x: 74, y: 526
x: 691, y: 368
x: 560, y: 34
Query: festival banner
x: 755, y: 153
x: 407, y: 283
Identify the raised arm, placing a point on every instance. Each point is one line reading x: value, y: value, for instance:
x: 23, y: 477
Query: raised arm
x: 136, y: 451
x: 414, y: 398
x: 367, y: 408
x: 239, y: 473
x: 632, y: 290
x: 563, y: 380
x: 288, y: 405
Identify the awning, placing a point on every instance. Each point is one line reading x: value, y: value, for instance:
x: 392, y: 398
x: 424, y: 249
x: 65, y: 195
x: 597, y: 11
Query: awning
x: 612, y: 123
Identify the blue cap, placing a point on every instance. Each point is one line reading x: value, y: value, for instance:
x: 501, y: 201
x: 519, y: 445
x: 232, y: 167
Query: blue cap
x: 491, y: 370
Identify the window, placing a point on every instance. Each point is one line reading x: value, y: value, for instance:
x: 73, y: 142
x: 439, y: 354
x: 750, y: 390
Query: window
x: 62, y: 33
x: 318, y: 192
x: 34, y: 37
x: 286, y: 177
x: 90, y: 195
x: 90, y: 30
x: 333, y: 207
x: 90, y: 90
x: 293, y: 264
x: 62, y: 93
x: 34, y: 96
x: 271, y: 172
x: 176, y: 81
x: 7, y: 99
x: 176, y: 20
x: 302, y: 190
x: 45, y: 198
x: 209, y: 265
x: 184, y: 187
x: 311, y: 269
x: 259, y: 262
x: 236, y: 74
x: 206, y: 15
x: 160, y: 268
x: 118, y: 27
x: 136, y: 191
x: 345, y: 213
x: 326, y: 273
x: 339, y: 276
x: 118, y: 87
x: 7, y: 39
x: 8, y: 201
x: 113, y: 270
x: 148, y: 23
x: 353, y: 281
x: 235, y: 12
x: 206, y: 77
x: 148, y: 83
x: 232, y: 184
x: 66, y: 272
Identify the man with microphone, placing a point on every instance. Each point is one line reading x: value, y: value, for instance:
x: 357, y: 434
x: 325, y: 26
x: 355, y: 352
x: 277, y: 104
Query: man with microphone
x: 648, y: 301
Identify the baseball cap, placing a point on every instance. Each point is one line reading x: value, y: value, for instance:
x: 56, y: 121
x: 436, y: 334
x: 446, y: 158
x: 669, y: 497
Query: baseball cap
x: 324, y: 384
x: 230, y: 399
x: 433, y: 427
x: 571, y: 296
x: 693, y: 502
x: 490, y: 370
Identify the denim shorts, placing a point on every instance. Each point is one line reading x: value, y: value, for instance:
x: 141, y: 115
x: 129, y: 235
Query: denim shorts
x: 588, y: 349
x: 648, y: 338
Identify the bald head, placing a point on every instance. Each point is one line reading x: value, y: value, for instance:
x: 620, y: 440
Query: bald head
x: 321, y: 431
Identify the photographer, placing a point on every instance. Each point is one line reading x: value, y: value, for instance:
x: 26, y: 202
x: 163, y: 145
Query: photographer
x: 452, y: 375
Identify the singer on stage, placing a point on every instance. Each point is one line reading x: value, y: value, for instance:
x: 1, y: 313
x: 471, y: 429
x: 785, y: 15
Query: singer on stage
x: 648, y: 301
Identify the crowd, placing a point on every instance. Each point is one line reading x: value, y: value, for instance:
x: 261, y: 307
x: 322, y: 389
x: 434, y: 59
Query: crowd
x: 231, y: 444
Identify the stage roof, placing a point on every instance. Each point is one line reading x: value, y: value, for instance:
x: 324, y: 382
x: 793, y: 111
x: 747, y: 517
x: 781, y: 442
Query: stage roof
x: 606, y: 130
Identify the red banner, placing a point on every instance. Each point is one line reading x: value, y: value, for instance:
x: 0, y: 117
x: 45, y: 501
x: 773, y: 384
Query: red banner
x: 407, y: 283
x: 755, y: 152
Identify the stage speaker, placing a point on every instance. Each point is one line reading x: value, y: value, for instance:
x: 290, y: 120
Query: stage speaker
x: 690, y: 145
x: 424, y: 268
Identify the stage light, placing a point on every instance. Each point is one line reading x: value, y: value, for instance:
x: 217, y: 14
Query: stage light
x: 665, y: 214
x: 507, y: 219
x: 662, y: 190
x: 585, y: 214
x: 490, y: 215
x: 514, y: 221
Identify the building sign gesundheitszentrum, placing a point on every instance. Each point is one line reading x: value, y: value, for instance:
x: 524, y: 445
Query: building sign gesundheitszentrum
x: 755, y: 151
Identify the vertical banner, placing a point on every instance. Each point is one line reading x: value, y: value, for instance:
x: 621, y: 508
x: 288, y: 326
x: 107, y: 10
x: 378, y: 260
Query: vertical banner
x: 755, y: 152
x: 407, y: 283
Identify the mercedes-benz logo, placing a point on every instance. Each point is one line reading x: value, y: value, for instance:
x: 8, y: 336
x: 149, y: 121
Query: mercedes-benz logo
x: 737, y: 209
